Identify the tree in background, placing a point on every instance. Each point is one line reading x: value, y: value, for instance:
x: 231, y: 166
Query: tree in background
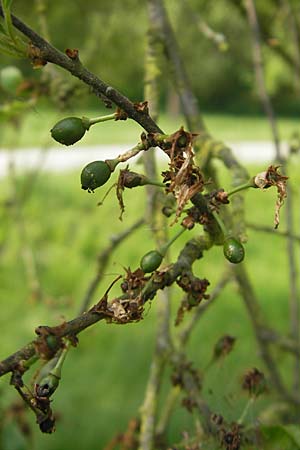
x: 188, y: 196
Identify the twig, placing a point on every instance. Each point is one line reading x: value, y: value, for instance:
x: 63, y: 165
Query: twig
x: 157, y: 224
x: 256, y: 317
x: 103, y: 260
x: 271, y: 230
x: 182, y: 340
x: 168, y: 410
x: 185, y: 332
x: 219, y: 39
x: 296, y: 41
x: 267, y: 33
x: 285, y: 343
x: 159, y: 359
x: 267, y: 104
x: 294, y: 301
x: 189, y: 103
x: 192, y: 251
x: 48, y: 53
x: 209, y: 147
x: 259, y: 73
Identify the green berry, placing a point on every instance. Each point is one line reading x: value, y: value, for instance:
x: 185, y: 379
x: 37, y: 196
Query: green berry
x: 94, y: 175
x: 10, y: 78
x: 69, y: 130
x: 151, y: 261
x: 48, y: 385
x: 233, y: 250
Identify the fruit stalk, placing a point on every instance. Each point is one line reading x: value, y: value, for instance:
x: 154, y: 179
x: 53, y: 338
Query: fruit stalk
x: 102, y: 118
x: 241, y: 187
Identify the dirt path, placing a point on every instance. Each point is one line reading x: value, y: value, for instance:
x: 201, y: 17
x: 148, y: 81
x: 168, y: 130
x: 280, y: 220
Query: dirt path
x: 60, y: 159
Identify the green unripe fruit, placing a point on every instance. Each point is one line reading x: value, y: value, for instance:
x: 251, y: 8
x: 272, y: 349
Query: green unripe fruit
x: 94, y: 175
x: 47, y: 385
x: 10, y: 78
x: 233, y: 250
x: 69, y: 130
x: 151, y: 261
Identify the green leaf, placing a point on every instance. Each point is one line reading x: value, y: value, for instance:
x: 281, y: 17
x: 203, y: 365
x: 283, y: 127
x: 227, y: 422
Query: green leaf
x: 2, y: 28
x: 282, y: 437
x: 6, y: 4
x: 294, y: 432
x: 7, y: 48
x: 10, y: 43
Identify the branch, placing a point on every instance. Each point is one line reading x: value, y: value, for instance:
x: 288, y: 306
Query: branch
x: 48, y: 53
x: 256, y: 317
x: 183, y: 337
x: 267, y: 104
x: 192, y: 251
x: 185, y: 332
x: 219, y: 39
x: 271, y: 230
x: 284, y: 343
x: 267, y: 34
x: 208, y: 147
x: 157, y: 223
x: 165, y: 33
x: 259, y: 74
x: 103, y: 259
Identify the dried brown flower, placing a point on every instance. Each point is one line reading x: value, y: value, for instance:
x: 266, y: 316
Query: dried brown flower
x: 271, y: 177
x: 224, y: 346
x: 184, y: 179
x: 254, y: 382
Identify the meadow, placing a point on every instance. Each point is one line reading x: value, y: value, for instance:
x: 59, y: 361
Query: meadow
x: 37, y: 122
x: 104, y: 377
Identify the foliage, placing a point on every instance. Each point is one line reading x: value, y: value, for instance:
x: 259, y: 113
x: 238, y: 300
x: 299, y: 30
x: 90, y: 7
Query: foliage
x: 219, y: 82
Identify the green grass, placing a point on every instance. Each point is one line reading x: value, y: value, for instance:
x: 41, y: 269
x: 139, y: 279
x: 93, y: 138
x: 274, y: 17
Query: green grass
x: 34, y: 131
x: 104, y: 378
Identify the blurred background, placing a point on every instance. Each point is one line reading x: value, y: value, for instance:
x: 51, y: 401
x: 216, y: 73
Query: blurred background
x: 51, y: 232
